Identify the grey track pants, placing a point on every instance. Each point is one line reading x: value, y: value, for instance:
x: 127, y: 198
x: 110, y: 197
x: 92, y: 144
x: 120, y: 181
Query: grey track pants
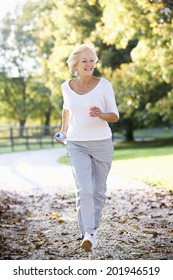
x: 91, y: 162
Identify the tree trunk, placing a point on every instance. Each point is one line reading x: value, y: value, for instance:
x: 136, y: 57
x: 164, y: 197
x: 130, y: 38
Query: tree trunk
x: 47, y: 122
x: 21, y: 128
x: 128, y: 129
x: 129, y: 136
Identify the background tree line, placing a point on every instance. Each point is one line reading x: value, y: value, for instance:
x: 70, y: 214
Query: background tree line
x: 135, y: 48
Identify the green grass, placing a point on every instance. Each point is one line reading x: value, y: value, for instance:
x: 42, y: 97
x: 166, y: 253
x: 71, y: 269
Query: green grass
x: 156, y: 133
x: 63, y: 160
x: 149, y: 162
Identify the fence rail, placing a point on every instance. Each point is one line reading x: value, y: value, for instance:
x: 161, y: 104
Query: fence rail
x: 27, y: 135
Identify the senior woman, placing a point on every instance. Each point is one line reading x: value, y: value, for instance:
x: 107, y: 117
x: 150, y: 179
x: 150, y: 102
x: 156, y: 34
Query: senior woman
x: 89, y: 104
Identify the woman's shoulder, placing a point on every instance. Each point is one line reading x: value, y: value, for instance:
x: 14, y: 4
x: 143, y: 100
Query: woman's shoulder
x: 72, y: 82
x: 69, y: 82
x: 65, y: 84
x: 105, y: 82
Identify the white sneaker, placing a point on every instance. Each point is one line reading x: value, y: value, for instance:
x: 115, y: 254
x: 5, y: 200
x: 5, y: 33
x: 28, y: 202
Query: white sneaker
x: 94, y: 239
x: 87, y: 242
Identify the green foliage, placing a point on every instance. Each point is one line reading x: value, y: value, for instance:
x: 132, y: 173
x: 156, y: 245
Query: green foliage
x: 144, y: 86
x: 24, y: 81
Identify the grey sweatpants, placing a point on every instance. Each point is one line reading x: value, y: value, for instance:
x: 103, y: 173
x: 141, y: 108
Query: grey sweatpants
x: 91, y: 162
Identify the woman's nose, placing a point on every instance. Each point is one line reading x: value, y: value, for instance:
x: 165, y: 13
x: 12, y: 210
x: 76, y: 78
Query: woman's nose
x: 88, y: 63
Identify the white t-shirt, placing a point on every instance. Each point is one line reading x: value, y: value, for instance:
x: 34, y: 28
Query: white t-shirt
x: 81, y: 126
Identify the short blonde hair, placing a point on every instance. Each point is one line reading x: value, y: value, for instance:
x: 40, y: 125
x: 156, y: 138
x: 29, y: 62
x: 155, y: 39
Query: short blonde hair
x: 75, y: 54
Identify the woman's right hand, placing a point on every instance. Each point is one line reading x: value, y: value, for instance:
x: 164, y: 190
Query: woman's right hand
x: 56, y: 139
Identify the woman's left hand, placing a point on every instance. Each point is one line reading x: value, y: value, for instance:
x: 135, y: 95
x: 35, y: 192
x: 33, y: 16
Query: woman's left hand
x: 95, y: 112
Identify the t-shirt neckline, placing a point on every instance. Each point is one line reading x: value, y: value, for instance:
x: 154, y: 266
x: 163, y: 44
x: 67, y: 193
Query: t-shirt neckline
x: 86, y: 92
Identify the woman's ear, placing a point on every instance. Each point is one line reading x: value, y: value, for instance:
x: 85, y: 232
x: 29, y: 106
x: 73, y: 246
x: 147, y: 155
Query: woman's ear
x: 76, y: 66
x: 75, y: 70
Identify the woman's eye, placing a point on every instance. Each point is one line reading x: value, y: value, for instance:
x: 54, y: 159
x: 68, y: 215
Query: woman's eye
x: 85, y: 61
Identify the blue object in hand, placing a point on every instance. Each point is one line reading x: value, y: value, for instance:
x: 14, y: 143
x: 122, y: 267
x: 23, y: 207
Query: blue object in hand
x: 61, y: 137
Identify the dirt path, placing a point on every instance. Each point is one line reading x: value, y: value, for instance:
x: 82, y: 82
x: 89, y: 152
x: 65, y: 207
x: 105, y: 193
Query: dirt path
x: 39, y: 220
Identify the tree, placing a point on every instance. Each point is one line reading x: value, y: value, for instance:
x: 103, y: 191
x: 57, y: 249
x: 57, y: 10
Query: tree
x: 144, y: 84
x: 24, y: 87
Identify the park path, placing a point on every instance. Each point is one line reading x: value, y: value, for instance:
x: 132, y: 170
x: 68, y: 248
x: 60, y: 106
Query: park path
x: 34, y: 172
x: 39, y: 219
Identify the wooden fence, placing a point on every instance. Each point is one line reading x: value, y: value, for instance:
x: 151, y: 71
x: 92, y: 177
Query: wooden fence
x: 27, y: 135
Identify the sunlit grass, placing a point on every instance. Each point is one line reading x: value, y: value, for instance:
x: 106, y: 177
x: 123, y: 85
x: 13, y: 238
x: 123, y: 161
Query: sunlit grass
x: 150, y: 162
x: 154, y: 170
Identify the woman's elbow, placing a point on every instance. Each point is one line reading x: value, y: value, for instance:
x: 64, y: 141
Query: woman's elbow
x: 116, y: 118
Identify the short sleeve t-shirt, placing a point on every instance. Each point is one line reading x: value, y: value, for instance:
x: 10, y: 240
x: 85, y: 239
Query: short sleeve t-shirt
x: 81, y: 126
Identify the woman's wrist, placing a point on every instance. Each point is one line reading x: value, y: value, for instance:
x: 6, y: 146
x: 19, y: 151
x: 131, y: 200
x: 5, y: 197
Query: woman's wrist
x: 64, y: 132
x: 109, y: 117
x: 103, y: 116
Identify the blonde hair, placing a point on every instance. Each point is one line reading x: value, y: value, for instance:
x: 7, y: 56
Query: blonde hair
x: 75, y: 54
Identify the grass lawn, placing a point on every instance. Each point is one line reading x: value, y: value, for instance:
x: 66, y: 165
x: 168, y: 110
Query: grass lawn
x: 156, y: 133
x: 151, y: 163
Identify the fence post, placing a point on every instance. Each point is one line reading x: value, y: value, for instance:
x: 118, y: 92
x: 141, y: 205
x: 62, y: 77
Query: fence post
x: 40, y: 136
x: 11, y: 138
x: 26, y: 138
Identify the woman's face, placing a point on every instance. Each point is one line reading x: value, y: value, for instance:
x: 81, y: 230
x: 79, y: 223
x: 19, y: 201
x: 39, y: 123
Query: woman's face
x: 86, y: 64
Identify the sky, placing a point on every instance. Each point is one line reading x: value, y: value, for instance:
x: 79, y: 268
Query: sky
x: 7, y: 5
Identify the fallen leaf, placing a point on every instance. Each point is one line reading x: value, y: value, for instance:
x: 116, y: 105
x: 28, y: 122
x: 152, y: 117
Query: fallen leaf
x: 122, y: 231
x: 40, y: 234
x: 18, y: 220
x: 163, y: 205
x: 38, y: 245
x: 135, y: 227
x: 61, y: 220
x: 141, y: 213
x: 156, y: 216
